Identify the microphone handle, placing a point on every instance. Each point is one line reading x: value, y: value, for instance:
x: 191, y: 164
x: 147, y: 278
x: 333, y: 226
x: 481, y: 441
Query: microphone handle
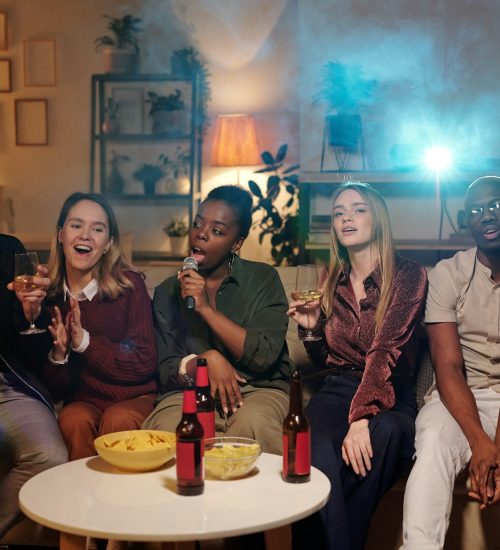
x: 190, y: 302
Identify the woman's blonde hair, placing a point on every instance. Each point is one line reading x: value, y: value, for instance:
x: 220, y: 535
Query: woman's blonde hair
x: 109, y: 271
x: 382, y: 243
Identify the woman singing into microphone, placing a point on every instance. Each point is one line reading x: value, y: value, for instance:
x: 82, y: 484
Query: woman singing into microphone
x: 238, y: 324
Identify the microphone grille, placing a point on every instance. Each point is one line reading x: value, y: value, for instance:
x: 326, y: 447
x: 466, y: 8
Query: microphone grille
x: 190, y: 263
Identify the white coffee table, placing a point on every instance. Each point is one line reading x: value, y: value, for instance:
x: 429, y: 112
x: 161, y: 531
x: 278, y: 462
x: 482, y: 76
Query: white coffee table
x: 88, y: 497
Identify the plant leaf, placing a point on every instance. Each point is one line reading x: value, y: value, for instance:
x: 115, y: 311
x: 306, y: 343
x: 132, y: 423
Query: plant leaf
x: 281, y: 154
x: 291, y: 168
x: 273, y: 181
x: 264, y: 170
x: 277, y: 221
x: 293, y: 179
x: 274, y: 192
x: 267, y: 158
x: 255, y: 189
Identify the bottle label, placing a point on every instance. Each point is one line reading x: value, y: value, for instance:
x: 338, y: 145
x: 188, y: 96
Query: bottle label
x: 297, y: 461
x: 303, y: 454
x: 189, y: 402
x: 207, y: 420
x: 189, y: 459
x: 201, y: 376
x: 285, y: 454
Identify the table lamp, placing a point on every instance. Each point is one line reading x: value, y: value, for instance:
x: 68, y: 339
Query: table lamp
x: 235, y: 142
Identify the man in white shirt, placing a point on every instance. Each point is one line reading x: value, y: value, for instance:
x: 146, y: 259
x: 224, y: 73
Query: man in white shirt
x: 458, y: 426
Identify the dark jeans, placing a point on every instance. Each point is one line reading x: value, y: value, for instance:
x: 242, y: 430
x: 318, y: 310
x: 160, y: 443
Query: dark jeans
x: 344, y: 521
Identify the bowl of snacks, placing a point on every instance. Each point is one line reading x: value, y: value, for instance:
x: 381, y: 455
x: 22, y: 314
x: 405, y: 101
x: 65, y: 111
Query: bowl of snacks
x: 230, y: 457
x: 136, y: 450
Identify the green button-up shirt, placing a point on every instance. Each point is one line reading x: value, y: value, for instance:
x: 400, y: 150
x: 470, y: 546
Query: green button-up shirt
x: 252, y: 296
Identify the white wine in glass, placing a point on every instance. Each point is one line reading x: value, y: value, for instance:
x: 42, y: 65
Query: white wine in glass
x: 25, y: 271
x: 307, y: 289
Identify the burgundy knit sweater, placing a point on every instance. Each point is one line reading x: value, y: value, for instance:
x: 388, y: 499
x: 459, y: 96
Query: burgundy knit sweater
x: 120, y: 361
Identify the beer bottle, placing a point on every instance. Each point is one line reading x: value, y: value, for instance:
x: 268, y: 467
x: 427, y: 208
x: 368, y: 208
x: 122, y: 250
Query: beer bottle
x: 205, y: 404
x: 296, y: 437
x: 190, y: 448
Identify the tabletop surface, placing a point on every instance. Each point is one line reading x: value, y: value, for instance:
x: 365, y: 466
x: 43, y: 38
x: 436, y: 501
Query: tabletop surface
x: 92, y: 498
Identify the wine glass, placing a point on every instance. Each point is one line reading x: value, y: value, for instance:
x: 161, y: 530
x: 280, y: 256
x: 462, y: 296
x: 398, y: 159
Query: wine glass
x: 307, y: 288
x: 25, y: 270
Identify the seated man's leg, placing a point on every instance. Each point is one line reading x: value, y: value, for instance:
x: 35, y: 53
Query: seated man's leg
x: 442, y: 452
x: 126, y: 415
x: 32, y: 436
x: 166, y: 415
x: 261, y: 417
x: 79, y: 423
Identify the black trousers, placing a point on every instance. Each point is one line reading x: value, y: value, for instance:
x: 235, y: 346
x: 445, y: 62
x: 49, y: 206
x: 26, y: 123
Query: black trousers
x: 344, y: 521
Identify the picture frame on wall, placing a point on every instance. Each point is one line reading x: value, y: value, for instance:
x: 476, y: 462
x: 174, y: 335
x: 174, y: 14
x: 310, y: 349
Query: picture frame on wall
x: 39, y: 62
x: 31, y: 121
x: 5, y: 75
x: 130, y: 109
x: 4, y: 39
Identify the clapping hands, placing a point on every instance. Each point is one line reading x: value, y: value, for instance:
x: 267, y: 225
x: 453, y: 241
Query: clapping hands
x: 66, y: 334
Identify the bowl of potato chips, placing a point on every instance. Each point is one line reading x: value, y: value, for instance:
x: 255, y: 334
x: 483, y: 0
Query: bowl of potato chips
x: 230, y: 457
x: 136, y: 450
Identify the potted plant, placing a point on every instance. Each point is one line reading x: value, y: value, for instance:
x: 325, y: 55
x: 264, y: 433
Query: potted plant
x: 150, y: 174
x: 189, y: 62
x: 121, y: 49
x: 115, y: 184
x: 111, y: 122
x: 344, y: 89
x: 177, y: 231
x: 281, y: 224
x: 167, y: 113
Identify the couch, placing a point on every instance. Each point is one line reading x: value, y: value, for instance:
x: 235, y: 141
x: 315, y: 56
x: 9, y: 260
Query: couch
x: 470, y: 529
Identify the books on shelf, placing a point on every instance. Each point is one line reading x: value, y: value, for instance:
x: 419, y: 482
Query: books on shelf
x: 320, y: 223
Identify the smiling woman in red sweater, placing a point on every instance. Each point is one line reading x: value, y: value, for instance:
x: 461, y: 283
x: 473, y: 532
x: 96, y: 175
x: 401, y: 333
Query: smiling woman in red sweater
x: 103, y: 360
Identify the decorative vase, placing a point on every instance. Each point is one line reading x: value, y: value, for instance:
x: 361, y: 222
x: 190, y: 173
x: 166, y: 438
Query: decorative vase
x: 178, y: 245
x: 181, y: 185
x: 180, y: 64
x: 149, y: 187
x: 115, y: 182
x: 111, y: 126
x: 344, y: 130
x: 120, y: 61
x: 169, y: 123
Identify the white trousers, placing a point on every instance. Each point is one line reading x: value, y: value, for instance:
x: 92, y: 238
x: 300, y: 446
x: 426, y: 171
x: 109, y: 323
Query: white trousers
x: 442, y: 452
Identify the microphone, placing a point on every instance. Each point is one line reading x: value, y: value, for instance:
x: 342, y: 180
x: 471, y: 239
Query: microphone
x: 190, y: 263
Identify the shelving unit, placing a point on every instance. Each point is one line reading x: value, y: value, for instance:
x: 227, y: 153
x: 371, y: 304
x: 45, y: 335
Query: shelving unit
x: 138, y: 142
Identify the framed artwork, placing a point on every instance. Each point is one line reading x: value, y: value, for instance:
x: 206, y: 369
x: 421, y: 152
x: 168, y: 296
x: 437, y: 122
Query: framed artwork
x: 130, y: 108
x: 31, y: 121
x: 39, y: 62
x: 5, y: 75
x: 4, y: 41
